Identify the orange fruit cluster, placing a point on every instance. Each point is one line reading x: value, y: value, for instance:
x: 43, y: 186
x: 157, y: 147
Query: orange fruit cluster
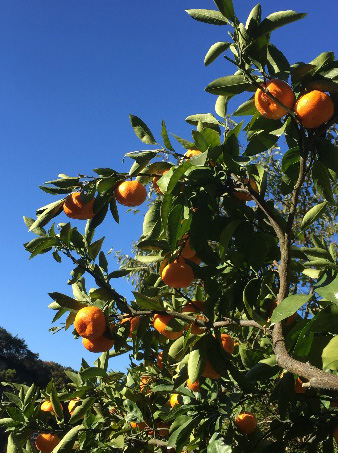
x: 90, y: 324
x: 75, y: 207
x: 313, y: 108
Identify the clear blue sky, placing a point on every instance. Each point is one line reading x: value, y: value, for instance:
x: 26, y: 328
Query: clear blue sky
x: 71, y: 72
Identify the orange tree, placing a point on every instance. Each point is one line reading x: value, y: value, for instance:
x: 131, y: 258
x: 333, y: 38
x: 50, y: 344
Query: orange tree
x: 220, y: 358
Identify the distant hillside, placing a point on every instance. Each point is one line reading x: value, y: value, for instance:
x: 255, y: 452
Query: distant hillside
x: 20, y: 365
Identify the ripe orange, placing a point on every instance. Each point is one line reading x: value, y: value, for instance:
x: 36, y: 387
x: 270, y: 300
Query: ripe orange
x: 73, y: 404
x: 246, y: 422
x: 246, y: 196
x: 298, y: 386
x: 140, y: 425
x: 130, y: 193
x: 156, y: 178
x: 267, y: 107
x: 160, y: 324
x: 90, y: 322
x: 101, y: 344
x: 112, y: 410
x: 46, y: 442
x: 47, y: 406
x: 174, y: 399
x: 314, y: 109
x: 177, y: 275
x: 159, y: 361
x: 191, y: 153
x: 195, y: 307
x: 227, y: 343
x: 210, y: 372
x: 75, y: 208
x: 134, y: 322
x: 194, y: 386
x: 187, y: 251
x: 195, y: 259
x: 163, y: 265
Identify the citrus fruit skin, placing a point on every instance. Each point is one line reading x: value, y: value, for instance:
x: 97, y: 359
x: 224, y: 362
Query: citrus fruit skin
x: 101, y: 344
x: 314, y: 109
x: 160, y: 324
x: 192, y: 153
x: 195, y: 307
x: 298, y: 386
x: 72, y: 405
x: 193, y: 386
x: 267, y: 107
x: 156, y: 178
x: 47, y: 406
x: 227, y: 343
x: 174, y: 400
x: 210, y: 372
x: 46, y: 442
x: 75, y: 208
x: 130, y: 193
x: 134, y: 322
x: 177, y: 275
x: 90, y: 322
x: 187, y: 251
x: 246, y: 196
x: 195, y: 259
x: 246, y: 422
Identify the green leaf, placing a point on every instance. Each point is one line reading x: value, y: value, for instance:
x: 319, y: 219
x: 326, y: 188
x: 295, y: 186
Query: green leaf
x: 74, y: 377
x: 147, y: 303
x: 97, y: 219
x: 93, y: 372
x: 67, y: 302
x: 168, y: 181
x: 276, y: 20
x: 177, y: 348
x: 67, y: 442
x: 215, y: 51
x: 221, y: 106
x: 152, y: 221
x: 330, y: 291
x: 207, y: 119
x: 142, y: 159
x: 250, y: 298
x: 81, y: 409
x: 13, y: 445
x: 277, y: 62
x: 322, y: 181
x: 165, y: 137
x: 49, y: 212
x: 247, y: 108
x: 253, y: 19
x: 56, y: 403
x: 260, y: 142
x: 196, y: 362
x: 141, y: 130
x: 330, y: 355
x: 185, y: 143
x: 226, y: 7
x: 179, y: 437
x: 327, y: 153
x: 263, y: 370
x: 94, y: 248
x: 289, y: 306
x: 149, y: 258
x: 291, y: 157
x: 209, y: 16
x: 217, y: 444
x: 113, y: 209
x: 29, y: 222
x: 313, y: 214
x: 229, y: 85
